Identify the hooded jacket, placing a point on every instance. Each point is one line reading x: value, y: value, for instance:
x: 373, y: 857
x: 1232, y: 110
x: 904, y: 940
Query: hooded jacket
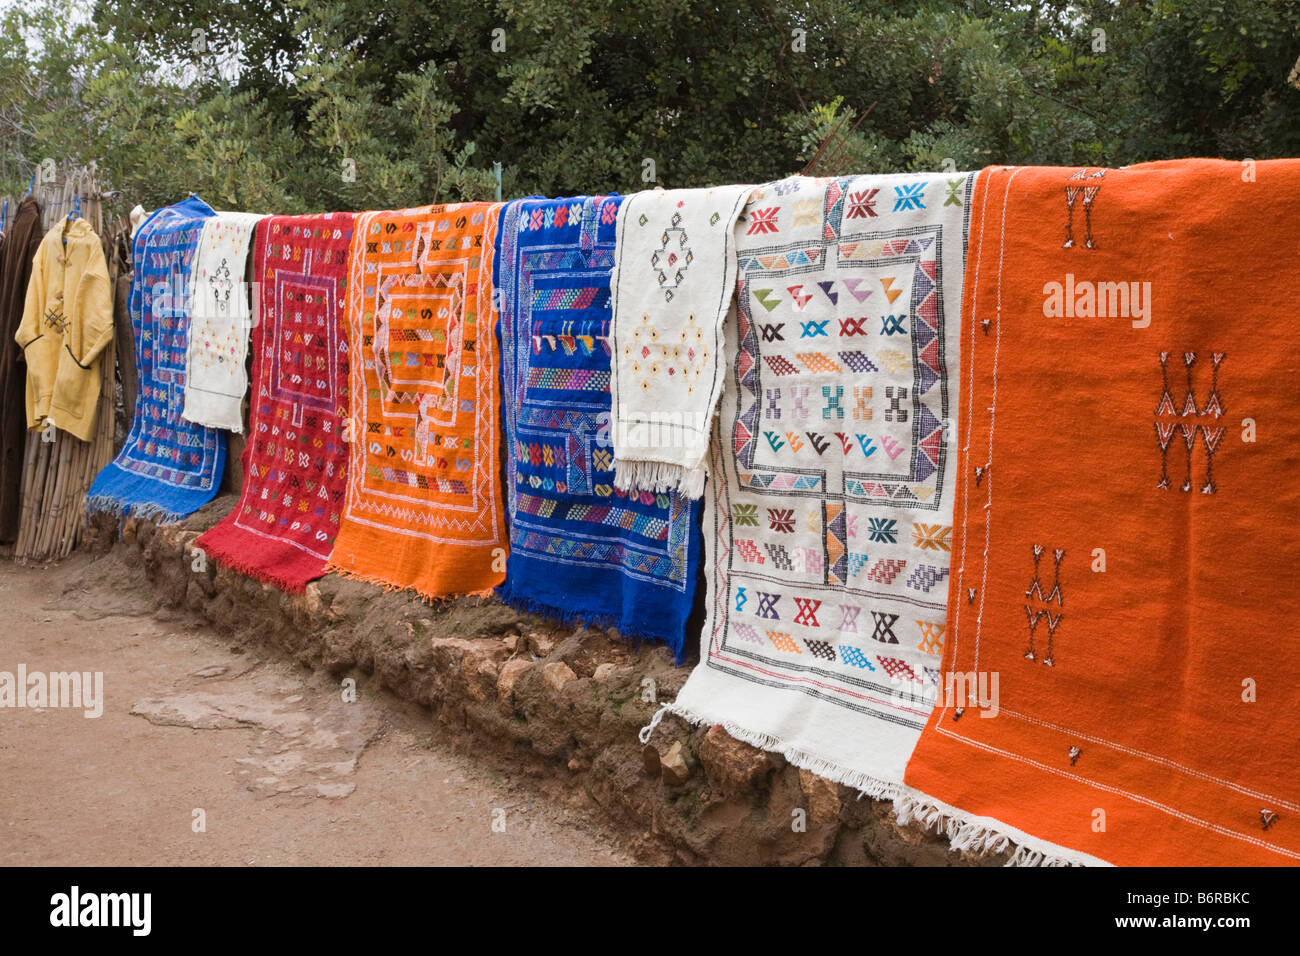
x: 67, y: 322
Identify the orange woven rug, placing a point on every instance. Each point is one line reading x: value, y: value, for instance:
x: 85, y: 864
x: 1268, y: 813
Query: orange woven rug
x: 1126, y: 557
x: 423, y: 507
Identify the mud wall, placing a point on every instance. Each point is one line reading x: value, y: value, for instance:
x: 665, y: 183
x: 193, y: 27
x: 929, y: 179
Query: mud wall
x: 562, y: 705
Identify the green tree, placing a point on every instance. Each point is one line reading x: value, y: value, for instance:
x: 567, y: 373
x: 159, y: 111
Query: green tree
x: 287, y: 105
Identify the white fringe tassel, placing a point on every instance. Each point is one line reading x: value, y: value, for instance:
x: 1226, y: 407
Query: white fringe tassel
x: 963, y: 831
x: 658, y: 477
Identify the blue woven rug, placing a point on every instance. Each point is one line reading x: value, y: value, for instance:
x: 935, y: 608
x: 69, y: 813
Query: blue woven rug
x: 580, y: 549
x: 168, y: 467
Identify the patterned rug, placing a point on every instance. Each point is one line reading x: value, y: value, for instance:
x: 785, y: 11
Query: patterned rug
x: 580, y: 549
x: 829, y: 509
x: 168, y: 467
x: 296, y: 459
x: 674, y: 275
x: 423, y: 507
x: 1126, y: 557
x: 220, y: 321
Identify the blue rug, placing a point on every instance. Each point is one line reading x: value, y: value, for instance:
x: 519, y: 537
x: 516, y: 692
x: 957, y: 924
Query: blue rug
x: 168, y: 467
x: 580, y: 549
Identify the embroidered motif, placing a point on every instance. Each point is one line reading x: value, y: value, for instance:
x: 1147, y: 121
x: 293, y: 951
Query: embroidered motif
x: 892, y: 325
x: 807, y: 615
x: 767, y: 606
x: 932, y: 537
x: 909, y: 197
x: 781, y: 520
x: 1087, y: 189
x: 897, y: 669
x: 862, y: 204
x: 779, y: 556
x: 886, y: 569
x: 670, y: 261
x: 896, y: 412
x: 861, y: 401
x: 822, y: 649
x: 55, y: 320
x: 763, y: 221
x: 1036, y: 615
x: 924, y: 577
x: 931, y: 636
x: 1170, y: 422
x: 884, y: 631
x: 882, y: 529
x: 853, y: 657
x: 783, y: 642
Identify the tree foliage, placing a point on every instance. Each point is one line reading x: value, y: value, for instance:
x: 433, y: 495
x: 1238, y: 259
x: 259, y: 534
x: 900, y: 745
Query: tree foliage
x: 292, y: 106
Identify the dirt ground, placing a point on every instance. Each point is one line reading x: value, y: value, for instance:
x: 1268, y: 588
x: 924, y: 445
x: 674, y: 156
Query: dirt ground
x: 282, y: 768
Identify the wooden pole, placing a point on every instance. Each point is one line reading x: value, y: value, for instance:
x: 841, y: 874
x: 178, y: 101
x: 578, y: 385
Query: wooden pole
x: 27, y: 490
x: 34, y: 501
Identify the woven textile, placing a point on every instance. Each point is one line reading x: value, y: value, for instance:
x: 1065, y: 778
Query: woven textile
x: 295, y: 462
x: 168, y: 467
x: 674, y: 274
x: 20, y: 245
x: 423, y: 508
x: 1126, y: 556
x: 220, y: 322
x: 829, y: 508
x: 579, y: 547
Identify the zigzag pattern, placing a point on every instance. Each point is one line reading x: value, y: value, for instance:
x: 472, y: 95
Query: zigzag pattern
x: 924, y: 577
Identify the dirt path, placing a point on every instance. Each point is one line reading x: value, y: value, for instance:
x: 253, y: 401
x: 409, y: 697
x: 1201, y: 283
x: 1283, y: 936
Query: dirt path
x: 283, y: 770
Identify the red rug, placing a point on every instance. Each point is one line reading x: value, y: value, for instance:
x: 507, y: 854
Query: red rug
x: 295, y: 463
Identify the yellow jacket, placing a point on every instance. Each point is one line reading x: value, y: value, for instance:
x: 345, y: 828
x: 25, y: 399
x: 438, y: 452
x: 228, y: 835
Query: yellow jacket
x: 67, y: 322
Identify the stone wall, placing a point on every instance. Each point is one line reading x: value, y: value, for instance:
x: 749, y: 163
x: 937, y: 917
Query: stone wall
x: 562, y: 705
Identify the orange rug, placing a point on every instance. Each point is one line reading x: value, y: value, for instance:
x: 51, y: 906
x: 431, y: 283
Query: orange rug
x: 1126, y: 558
x: 423, y: 507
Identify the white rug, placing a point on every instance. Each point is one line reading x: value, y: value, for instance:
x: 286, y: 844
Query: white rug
x: 829, y: 510
x: 674, y: 273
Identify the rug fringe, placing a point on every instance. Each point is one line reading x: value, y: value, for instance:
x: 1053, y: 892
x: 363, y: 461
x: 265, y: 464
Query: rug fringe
x: 659, y: 477
x: 430, y: 599
x: 109, y: 505
x: 964, y: 832
x: 331, y: 568
x: 240, y: 566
